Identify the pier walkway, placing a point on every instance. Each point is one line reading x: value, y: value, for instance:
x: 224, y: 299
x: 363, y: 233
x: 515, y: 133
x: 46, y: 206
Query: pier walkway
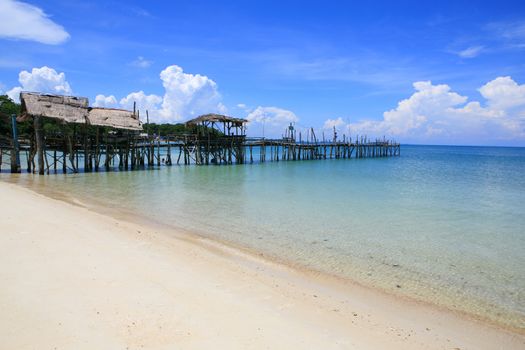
x: 76, y: 137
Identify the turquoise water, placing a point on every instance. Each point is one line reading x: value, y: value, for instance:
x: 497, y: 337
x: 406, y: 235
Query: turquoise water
x: 441, y: 224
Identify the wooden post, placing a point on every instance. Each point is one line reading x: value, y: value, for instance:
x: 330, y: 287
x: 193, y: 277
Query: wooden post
x: 39, y: 135
x: 158, y: 150
x: 85, y: 142
x: 126, y: 155
x: 64, y: 152
x: 168, y: 156
x: 15, y: 151
x: 107, y: 157
x: 97, y: 149
x: 180, y: 153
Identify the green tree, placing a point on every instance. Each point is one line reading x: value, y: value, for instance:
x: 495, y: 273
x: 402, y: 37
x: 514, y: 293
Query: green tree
x: 7, y: 108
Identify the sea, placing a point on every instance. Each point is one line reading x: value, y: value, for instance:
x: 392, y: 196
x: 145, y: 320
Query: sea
x: 440, y: 224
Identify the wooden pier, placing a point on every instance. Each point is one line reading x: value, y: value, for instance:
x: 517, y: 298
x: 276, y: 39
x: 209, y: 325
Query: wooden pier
x: 63, y: 134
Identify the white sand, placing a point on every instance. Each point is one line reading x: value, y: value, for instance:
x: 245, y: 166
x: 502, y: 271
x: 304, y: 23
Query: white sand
x: 74, y: 279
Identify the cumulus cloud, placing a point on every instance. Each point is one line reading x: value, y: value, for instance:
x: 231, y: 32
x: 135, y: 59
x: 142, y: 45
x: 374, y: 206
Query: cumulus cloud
x: 188, y: 95
x: 185, y: 96
x: 141, y: 62
x: 270, y: 121
x: 471, y: 52
x: 272, y: 115
x: 19, y: 20
x: 42, y: 79
x: 143, y: 103
x: 436, y: 114
x: 105, y: 101
x: 503, y: 93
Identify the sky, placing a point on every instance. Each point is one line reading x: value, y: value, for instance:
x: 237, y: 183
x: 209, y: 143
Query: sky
x: 447, y: 72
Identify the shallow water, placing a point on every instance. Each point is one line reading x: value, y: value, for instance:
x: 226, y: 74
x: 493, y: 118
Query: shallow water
x: 441, y: 224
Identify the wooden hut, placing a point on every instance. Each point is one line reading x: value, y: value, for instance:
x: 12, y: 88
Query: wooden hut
x: 114, y: 118
x: 71, y: 109
x: 81, y: 131
x: 68, y: 109
x: 229, y: 126
x: 217, y: 139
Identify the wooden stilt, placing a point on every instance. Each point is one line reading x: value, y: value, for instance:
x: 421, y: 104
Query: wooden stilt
x: 39, y: 135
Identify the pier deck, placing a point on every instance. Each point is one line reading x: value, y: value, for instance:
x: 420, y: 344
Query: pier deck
x: 76, y: 137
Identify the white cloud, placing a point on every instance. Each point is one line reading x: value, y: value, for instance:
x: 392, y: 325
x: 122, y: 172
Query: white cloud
x: 105, y: 101
x: 188, y: 95
x: 14, y: 94
x: 144, y: 103
x: 272, y: 116
x: 329, y: 124
x: 42, y: 79
x: 273, y: 120
x: 435, y: 114
x: 471, y: 52
x: 19, y: 20
x: 141, y: 62
x: 241, y: 105
x: 503, y: 92
x: 185, y: 96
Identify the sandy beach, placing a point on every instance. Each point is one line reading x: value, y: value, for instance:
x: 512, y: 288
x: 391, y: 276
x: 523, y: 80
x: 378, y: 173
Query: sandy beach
x: 71, y: 278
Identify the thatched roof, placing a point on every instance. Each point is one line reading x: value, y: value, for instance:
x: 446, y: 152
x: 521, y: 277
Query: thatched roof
x: 67, y: 108
x: 216, y: 118
x: 71, y: 109
x: 116, y: 118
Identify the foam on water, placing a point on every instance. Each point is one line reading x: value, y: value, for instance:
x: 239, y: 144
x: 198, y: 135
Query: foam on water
x: 442, y: 224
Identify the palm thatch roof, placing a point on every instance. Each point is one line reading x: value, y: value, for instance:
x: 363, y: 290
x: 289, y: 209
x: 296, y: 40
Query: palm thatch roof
x: 216, y: 118
x: 66, y: 108
x: 116, y: 118
x: 70, y: 109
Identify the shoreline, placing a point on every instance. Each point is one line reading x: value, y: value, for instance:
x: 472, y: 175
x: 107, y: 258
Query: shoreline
x: 201, y: 238
x: 221, y: 245
x: 356, y: 315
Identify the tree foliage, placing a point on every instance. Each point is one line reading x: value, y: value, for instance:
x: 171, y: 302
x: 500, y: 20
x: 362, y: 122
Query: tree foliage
x: 7, y: 108
x: 178, y: 129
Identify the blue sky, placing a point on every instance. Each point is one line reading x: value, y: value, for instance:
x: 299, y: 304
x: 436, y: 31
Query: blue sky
x: 317, y: 64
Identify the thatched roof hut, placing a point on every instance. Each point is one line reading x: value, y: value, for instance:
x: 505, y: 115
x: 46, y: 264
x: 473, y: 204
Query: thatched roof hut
x: 70, y: 109
x: 115, y: 118
x: 216, y: 118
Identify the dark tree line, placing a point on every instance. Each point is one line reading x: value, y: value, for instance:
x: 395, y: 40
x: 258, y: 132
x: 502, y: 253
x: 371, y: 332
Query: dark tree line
x: 178, y: 129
